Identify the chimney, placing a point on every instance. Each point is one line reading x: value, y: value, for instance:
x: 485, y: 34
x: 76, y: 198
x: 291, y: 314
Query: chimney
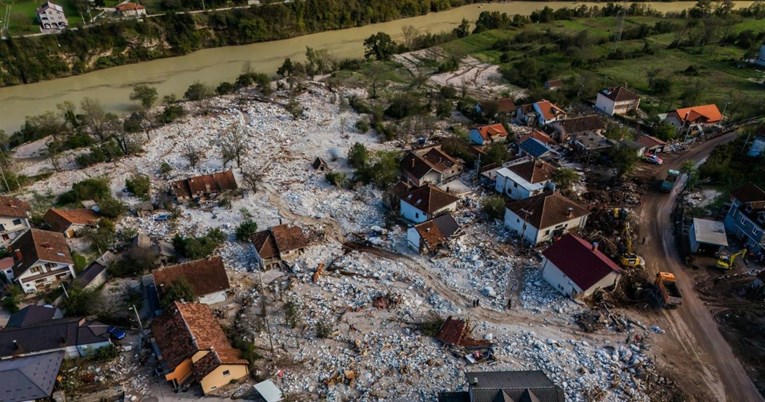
x: 570, y: 212
x: 447, y: 189
x: 19, y: 255
x: 280, y: 221
x: 474, y: 382
x: 594, y: 246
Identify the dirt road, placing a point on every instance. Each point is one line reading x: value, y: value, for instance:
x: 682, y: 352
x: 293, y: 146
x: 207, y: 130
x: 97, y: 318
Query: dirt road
x: 704, y: 361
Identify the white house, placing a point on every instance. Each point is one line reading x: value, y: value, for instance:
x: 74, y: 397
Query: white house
x: 524, y: 178
x: 206, y: 277
x: 707, y: 235
x: 575, y: 267
x: 41, y: 260
x: 427, y: 236
x: 426, y: 202
x: 129, y: 9
x: 617, y: 100
x: 541, y: 217
x: 484, y: 135
x: 14, y: 219
x: 51, y: 17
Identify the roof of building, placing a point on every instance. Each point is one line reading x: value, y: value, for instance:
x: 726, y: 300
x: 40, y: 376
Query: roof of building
x: 709, y: 232
x: 205, y: 184
x: 576, y: 258
x: 547, y: 209
x: 549, y: 110
x: 31, y: 315
x: 505, y: 105
x: 31, y: 377
x: 460, y: 396
x: 268, y: 391
x: 129, y: 6
x: 48, y: 5
x: 429, y: 198
x: 14, y: 208
x: 749, y: 193
x: 40, y: 245
x: 61, y: 219
x: 492, y: 131
x: 650, y: 141
x: 515, y: 386
x: 539, y: 136
x: 534, y: 147
x: 592, y: 141
x: 699, y: 114
x: 581, y: 124
x: 619, y: 94
x: 186, y: 328
x: 205, y: 276
x: 420, y: 163
x: 272, y: 242
x: 553, y: 84
x: 533, y: 171
x: 435, y: 231
x: 52, y: 335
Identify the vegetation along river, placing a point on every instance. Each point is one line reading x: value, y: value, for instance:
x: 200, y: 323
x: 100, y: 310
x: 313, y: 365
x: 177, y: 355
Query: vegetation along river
x: 112, y: 86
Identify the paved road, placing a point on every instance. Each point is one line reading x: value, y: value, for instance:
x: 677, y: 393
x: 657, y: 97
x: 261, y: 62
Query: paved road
x: 712, y: 364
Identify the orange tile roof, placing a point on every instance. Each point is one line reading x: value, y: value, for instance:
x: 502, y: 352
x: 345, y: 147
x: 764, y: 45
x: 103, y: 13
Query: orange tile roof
x: 539, y: 136
x: 548, y: 109
x: 699, y: 114
x: 492, y: 131
x: 129, y: 6
x: 61, y: 219
x: 14, y: 208
x: 205, y: 276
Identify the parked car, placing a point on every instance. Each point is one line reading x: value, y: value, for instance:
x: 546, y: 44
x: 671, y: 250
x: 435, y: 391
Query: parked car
x: 651, y: 158
x: 116, y: 333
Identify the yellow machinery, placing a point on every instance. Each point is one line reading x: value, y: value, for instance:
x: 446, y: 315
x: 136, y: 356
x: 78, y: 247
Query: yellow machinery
x: 727, y: 262
x: 630, y: 259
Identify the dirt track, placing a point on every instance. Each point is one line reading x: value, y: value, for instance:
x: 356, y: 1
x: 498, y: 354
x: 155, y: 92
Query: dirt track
x: 704, y: 364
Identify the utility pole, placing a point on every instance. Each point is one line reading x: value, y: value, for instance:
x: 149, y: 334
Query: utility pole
x: 65, y: 292
x: 138, y: 318
x: 526, y: 215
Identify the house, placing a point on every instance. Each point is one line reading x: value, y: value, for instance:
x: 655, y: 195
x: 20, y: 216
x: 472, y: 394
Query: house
x: 41, y: 260
x: 428, y: 236
x: 707, y: 236
x: 760, y: 61
x: 568, y: 129
x: 29, y: 378
x: 320, y: 164
x: 543, y: 216
x: 202, y: 188
x: 539, y: 136
x: 268, y: 391
x: 757, y: 149
x: 71, y: 222
x: 33, y: 314
x: 539, y: 113
x: 746, y: 217
x: 14, y: 218
x: 506, y: 386
x: 51, y: 17
x: 426, y: 202
x: 695, y: 116
x: 505, y: 106
x: 553, y: 85
x: 652, y: 144
x: 429, y: 165
x: 455, y: 331
x: 129, y: 9
x: 206, y: 277
x: 575, y: 267
x: 536, y: 149
x: 524, y: 177
x: 591, y: 142
x: 617, y: 100
x: 192, y: 348
x: 484, y: 135
x: 96, y: 274
x: 76, y: 337
x: 283, y: 242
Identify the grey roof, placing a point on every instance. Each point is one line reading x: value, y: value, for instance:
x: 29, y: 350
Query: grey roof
x: 29, y: 378
x: 534, y: 147
x: 269, y: 391
x: 454, y: 396
x: 95, y: 268
x: 52, y: 335
x: 31, y: 315
x: 530, y: 386
x: 709, y: 232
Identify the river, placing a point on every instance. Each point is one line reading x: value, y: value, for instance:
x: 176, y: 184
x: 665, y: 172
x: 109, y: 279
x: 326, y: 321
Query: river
x: 173, y: 75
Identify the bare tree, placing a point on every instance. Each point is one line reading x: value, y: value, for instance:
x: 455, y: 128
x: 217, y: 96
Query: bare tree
x: 52, y: 151
x: 233, y: 145
x: 191, y: 153
x: 410, y: 33
x: 128, y: 142
x: 252, y: 178
x: 98, y: 121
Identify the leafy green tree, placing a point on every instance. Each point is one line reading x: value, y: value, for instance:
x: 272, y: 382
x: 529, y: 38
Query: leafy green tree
x: 358, y: 156
x: 623, y: 158
x: 493, y: 206
x: 111, y: 207
x: 286, y: 69
x: 564, y: 178
x: 496, y: 154
x: 145, y: 95
x: 335, y: 178
x: 463, y: 29
x: 379, y: 46
x: 665, y: 131
x: 245, y: 230
x: 81, y: 302
x: 139, y: 185
x: 196, y: 91
x: 224, y: 88
x: 179, y: 289
x: 199, y: 247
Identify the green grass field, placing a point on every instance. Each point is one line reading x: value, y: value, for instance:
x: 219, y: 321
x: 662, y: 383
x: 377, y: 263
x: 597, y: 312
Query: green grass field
x: 23, y: 17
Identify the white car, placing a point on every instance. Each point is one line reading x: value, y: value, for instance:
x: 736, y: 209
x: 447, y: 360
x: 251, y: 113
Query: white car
x: 651, y: 158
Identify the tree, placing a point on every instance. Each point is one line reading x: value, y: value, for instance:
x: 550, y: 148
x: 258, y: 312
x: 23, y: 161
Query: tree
x: 319, y: 61
x: 81, y: 302
x: 286, y: 69
x: 358, y: 156
x: 703, y: 8
x: 196, y: 91
x: 665, y: 131
x: 199, y: 247
x: 252, y: 177
x: 690, y: 169
x: 245, y: 230
x: 496, y: 154
x: 139, y: 185
x: 335, y: 178
x: 410, y: 33
x: 97, y: 120
x: 145, y: 95
x: 493, y: 206
x: 192, y: 154
x: 233, y: 145
x: 463, y: 29
x: 380, y: 46
x: 179, y: 290
x: 564, y: 178
x: 623, y: 158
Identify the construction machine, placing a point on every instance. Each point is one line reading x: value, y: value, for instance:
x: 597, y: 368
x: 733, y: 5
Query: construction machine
x: 728, y: 261
x: 666, y: 292
x: 630, y: 259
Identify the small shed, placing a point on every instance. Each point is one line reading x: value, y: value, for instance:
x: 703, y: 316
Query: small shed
x: 268, y: 391
x: 707, y: 236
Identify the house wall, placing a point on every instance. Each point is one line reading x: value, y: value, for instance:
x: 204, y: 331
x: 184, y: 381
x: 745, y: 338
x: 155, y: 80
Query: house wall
x: 625, y: 107
x: 181, y: 372
x: 413, y: 239
x: 31, y: 285
x: 290, y: 255
x: 515, y: 223
x: 213, y: 298
x: 692, y: 239
x: 563, y: 284
x: 745, y: 229
x: 519, y: 190
x: 411, y: 213
x: 11, y: 228
x: 604, y: 104
x: 571, y: 225
x: 223, y: 375
x: 674, y: 120
x: 534, y: 236
x: 52, y: 19
x: 475, y: 137
x: 88, y: 350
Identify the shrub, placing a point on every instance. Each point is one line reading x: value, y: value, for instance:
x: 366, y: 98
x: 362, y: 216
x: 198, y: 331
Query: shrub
x: 199, y: 247
x: 224, y: 88
x: 165, y: 168
x: 493, y: 206
x: 323, y: 329
x: 197, y: 91
x: 111, y: 208
x: 81, y: 302
x: 80, y: 262
x: 362, y: 125
x: 171, y: 113
x: 139, y: 185
x: 179, y: 290
x: 88, y: 189
x: 245, y: 230
x: 106, y: 353
x: 335, y: 178
x: 358, y: 156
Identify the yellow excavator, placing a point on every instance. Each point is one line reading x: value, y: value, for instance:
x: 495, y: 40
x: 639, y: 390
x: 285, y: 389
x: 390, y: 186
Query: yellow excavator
x: 728, y: 261
x: 630, y: 259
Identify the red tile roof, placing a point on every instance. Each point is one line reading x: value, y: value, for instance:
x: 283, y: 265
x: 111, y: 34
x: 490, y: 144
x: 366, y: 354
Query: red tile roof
x: 61, y: 219
x: 429, y: 199
x: 549, y: 110
x: 420, y: 163
x: 547, y: 209
x: 205, y: 276
x: 492, y: 131
x: 649, y: 141
x: 576, y: 258
x: 699, y: 114
x: 539, y: 136
x: 129, y: 6
x: 204, y: 185
x: 14, y: 208
x: 619, y: 94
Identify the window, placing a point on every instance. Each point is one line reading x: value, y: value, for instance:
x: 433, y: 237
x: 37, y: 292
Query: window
x: 743, y: 221
x: 17, y: 221
x: 517, y: 220
x: 515, y: 184
x: 35, y: 269
x: 49, y: 265
x: 226, y: 373
x: 755, y: 232
x: 417, y: 215
x: 547, y: 232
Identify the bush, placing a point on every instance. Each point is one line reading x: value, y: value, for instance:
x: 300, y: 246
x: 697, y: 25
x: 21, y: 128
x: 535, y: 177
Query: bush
x: 139, y: 185
x: 80, y: 262
x: 165, y: 168
x: 106, y: 353
x: 493, y: 206
x: 88, y: 189
x: 335, y: 178
x: 134, y: 262
x: 358, y: 156
x: 81, y: 302
x: 199, y: 247
x: 179, y: 290
x: 362, y: 125
x: 171, y: 113
x: 111, y: 208
x: 224, y: 88
x: 323, y: 329
x: 245, y: 230
x: 197, y: 91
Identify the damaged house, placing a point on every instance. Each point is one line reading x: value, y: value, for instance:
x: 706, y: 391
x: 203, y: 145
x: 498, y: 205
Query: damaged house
x: 206, y: 277
x: 485, y: 135
x: 71, y: 222
x: 539, y: 113
x: 746, y: 217
x: 544, y: 216
x: 283, y: 242
x: 428, y: 236
x: 192, y: 348
x: 202, y: 188
x: 41, y: 260
x: 429, y: 165
x: 426, y: 202
x: 506, y: 386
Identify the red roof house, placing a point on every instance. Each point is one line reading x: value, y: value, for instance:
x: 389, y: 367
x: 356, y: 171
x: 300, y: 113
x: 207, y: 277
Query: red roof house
x: 575, y: 267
